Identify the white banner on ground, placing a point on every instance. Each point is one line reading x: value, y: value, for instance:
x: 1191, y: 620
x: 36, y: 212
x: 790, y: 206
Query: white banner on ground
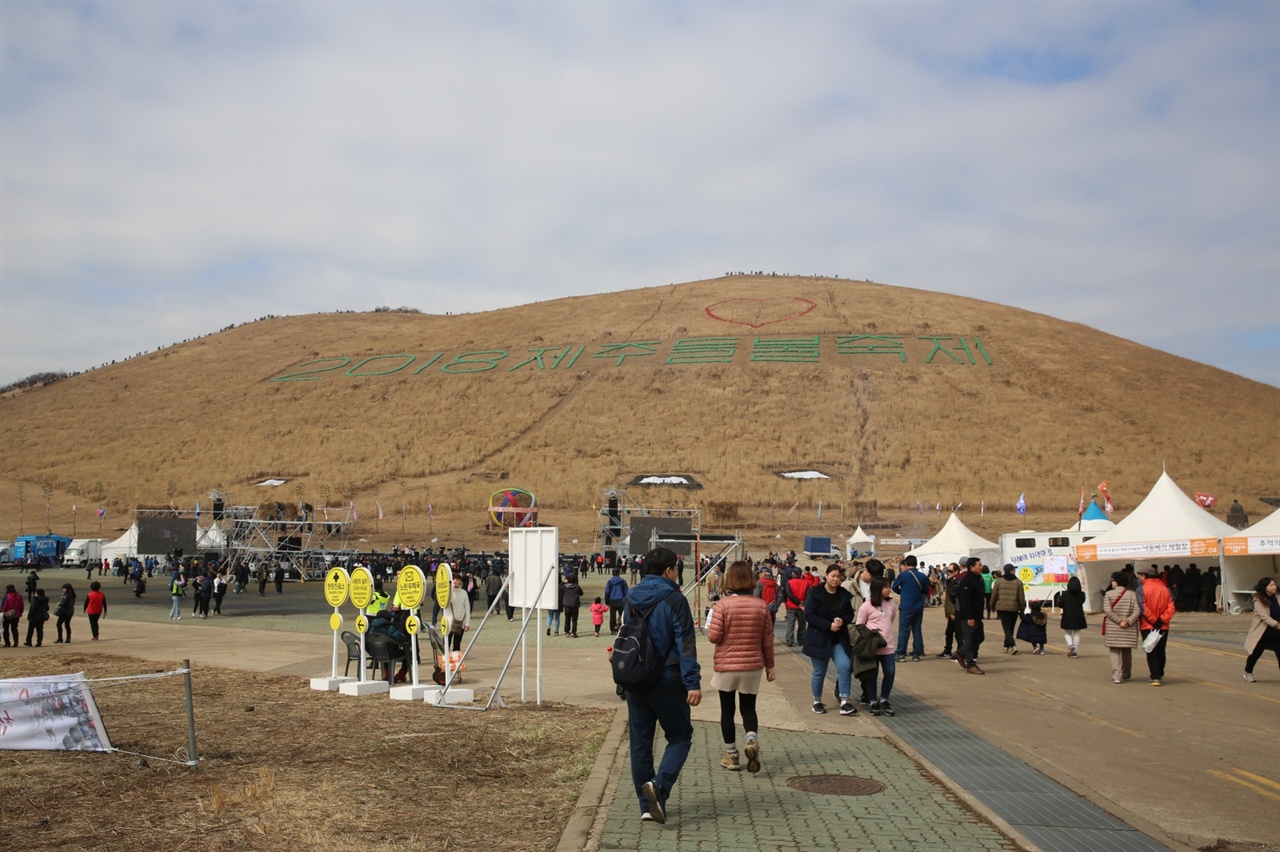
x: 53, y: 713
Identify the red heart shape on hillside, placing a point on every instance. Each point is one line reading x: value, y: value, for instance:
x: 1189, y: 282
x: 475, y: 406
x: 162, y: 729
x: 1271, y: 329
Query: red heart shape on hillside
x: 760, y: 312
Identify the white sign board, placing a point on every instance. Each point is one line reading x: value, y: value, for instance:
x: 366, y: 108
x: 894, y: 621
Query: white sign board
x: 54, y: 713
x: 534, y: 566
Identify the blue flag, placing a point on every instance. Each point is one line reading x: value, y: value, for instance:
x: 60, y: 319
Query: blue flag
x: 1021, y: 505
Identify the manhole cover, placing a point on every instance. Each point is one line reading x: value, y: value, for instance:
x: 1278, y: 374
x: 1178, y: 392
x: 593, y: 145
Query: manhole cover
x: 836, y: 785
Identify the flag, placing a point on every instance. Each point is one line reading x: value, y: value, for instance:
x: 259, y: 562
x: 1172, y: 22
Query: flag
x: 792, y: 510
x: 73, y: 510
x: 1106, y: 496
x: 1021, y: 505
x: 958, y: 505
x: 1081, y: 510
x: 842, y: 510
x: 938, y: 508
x: 920, y: 506
x: 102, y: 513
x: 819, y: 510
x: 379, y: 503
x: 431, y: 510
x: 982, y: 509
x: 355, y: 516
x: 197, y: 510
x: 1205, y: 500
x: 404, y: 511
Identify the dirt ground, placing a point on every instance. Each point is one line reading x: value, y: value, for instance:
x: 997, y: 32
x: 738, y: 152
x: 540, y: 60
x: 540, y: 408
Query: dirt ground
x: 285, y: 767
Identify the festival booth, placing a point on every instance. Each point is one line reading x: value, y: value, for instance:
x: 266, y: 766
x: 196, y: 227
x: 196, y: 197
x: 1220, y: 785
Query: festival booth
x: 125, y: 546
x: 1167, y: 525
x: 955, y: 542
x: 1247, y: 557
x: 859, y: 544
x: 213, y: 538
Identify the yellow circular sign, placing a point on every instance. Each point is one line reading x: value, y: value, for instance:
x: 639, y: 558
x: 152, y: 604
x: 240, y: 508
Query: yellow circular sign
x: 1026, y: 574
x: 444, y: 583
x: 336, y: 584
x: 444, y: 624
x: 362, y: 623
x: 409, y: 586
x: 411, y: 625
x: 361, y: 587
x: 335, y: 622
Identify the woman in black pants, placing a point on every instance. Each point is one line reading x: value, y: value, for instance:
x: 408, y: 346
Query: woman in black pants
x: 1008, y: 600
x: 66, y: 609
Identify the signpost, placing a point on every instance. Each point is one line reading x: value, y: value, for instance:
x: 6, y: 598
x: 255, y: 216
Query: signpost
x: 337, y: 583
x: 361, y: 591
x: 410, y: 590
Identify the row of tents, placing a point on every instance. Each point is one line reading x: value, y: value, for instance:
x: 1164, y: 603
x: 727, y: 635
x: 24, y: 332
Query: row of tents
x: 1166, y: 527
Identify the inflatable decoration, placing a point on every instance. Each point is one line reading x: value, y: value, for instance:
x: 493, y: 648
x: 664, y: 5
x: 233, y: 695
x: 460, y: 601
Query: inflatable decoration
x: 513, y: 507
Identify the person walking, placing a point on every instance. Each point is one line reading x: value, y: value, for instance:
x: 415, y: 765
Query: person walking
x: 1008, y: 600
x: 219, y: 590
x: 1073, y: 622
x: 177, y: 591
x: 668, y: 703
x: 950, y: 582
x: 615, y: 597
x: 971, y: 600
x: 459, y: 613
x: 65, y: 609
x: 278, y: 577
x: 1121, y: 614
x: 1157, y: 612
x: 828, y: 617
x: 794, y: 589
x: 1264, y: 633
x: 95, y: 606
x: 878, y: 613
x: 571, y: 603
x: 204, y: 593
x: 742, y: 632
x: 1033, y: 627
x: 912, y: 588
x: 37, y: 615
x: 598, y: 609
x: 11, y: 614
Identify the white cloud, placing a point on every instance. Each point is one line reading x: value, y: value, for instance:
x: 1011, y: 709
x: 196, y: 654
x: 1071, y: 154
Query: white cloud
x: 1084, y: 160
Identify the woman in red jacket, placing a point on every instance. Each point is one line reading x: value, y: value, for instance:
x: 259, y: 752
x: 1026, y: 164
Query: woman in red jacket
x: 742, y: 631
x: 95, y: 606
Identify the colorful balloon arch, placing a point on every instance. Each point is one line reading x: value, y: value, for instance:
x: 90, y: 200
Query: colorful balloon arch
x: 513, y: 507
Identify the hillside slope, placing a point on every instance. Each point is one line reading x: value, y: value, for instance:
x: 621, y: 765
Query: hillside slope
x: 900, y: 396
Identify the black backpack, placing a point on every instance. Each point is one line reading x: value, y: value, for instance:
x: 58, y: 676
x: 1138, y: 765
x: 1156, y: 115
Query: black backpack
x: 636, y: 662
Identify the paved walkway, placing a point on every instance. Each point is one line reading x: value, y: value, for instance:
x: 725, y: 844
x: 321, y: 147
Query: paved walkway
x: 1007, y: 742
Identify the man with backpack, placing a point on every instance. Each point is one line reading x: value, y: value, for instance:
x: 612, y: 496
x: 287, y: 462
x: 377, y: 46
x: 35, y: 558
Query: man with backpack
x: 655, y: 659
x: 615, y: 596
x: 794, y: 589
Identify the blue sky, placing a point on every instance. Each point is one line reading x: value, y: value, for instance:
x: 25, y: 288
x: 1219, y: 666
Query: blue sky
x: 167, y: 169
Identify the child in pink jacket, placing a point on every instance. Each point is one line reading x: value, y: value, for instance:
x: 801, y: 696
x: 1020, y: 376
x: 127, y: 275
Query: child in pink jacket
x: 598, y: 609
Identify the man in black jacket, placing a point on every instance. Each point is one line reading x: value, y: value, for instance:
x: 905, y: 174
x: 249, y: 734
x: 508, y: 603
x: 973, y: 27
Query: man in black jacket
x: 970, y: 602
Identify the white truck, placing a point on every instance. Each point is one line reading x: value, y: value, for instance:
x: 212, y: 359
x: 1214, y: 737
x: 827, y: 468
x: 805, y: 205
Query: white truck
x: 83, y: 550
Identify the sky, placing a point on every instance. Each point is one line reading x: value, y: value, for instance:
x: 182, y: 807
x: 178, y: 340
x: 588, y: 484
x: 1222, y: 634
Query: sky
x: 168, y: 169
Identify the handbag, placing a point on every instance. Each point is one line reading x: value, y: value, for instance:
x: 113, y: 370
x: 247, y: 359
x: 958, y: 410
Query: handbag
x: 1153, y: 639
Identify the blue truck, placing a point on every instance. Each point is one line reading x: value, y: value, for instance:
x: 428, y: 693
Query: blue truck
x: 44, y: 549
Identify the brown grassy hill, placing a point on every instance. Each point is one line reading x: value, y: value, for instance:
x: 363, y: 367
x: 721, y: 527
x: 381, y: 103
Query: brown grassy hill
x: 900, y: 396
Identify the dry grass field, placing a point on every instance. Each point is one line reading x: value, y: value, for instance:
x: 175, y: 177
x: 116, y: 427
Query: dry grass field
x: 903, y: 398
x: 283, y: 767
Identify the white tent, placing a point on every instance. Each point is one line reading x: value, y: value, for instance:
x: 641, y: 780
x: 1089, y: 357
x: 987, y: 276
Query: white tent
x: 213, y: 538
x: 1167, y: 525
x: 954, y: 542
x: 1247, y: 557
x: 859, y: 544
x: 124, y: 547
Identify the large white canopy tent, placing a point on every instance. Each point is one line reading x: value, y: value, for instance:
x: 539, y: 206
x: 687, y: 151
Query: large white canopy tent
x: 955, y: 542
x: 124, y: 547
x: 1247, y: 557
x: 1166, y: 526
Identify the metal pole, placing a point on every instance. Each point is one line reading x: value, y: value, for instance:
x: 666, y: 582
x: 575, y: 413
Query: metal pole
x: 191, y: 715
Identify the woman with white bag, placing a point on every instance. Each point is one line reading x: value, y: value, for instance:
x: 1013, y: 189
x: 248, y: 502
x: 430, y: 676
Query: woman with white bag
x: 1157, y: 612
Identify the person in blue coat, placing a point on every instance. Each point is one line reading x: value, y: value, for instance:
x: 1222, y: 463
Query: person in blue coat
x: 668, y: 702
x: 912, y: 588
